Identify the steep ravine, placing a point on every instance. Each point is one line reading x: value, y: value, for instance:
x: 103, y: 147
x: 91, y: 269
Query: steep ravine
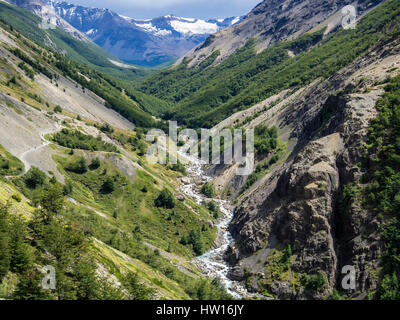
x: 296, y: 203
x: 212, y: 263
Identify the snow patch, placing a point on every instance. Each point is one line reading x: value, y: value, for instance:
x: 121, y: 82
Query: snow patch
x: 154, y: 30
x: 90, y: 32
x: 122, y: 65
x: 189, y: 19
x: 236, y: 20
x: 126, y: 18
x: 197, y: 27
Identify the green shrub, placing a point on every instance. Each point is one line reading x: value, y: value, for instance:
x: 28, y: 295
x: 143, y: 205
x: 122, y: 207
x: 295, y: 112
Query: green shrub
x: 95, y: 164
x: 208, y: 190
x: 17, y: 197
x: 135, y: 289
x: 68, y: 188
x: 214, y: 208
x: 79, y: 166
x: 34, y: 177
x: 179, y: 167
x: 138, y: 144
x: 5, y: 164
x: 28, y: 71
x: 165, y: 199
x: 108, y: 185
x: 74, y: 139
x: 184, y: 240
x: 314, y: 282
x: 390, y: 287
x: 347, y: 197
x: 265, y: 139
x: 106, y: 128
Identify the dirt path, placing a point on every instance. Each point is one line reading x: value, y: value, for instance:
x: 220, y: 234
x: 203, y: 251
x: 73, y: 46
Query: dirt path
x: 179, y: 262
x: 77, y: 203
x: 28, y: 155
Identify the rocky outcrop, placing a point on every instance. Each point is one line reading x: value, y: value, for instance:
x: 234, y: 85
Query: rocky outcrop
x: 297, y: 203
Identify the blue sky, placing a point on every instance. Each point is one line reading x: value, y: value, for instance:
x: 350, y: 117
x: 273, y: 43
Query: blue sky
x: 186, y: 8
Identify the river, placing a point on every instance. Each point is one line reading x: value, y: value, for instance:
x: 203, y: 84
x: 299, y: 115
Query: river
x: 212, y: 262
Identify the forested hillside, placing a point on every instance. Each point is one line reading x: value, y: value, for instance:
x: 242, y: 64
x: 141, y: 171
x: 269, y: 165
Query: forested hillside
x: 210, y: 93
x: 382, y: 184
x: 77, y: 193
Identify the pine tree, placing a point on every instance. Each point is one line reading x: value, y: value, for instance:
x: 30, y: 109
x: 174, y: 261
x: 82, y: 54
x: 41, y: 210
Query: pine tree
x: 196, y: 241
x: 53, y: 199
x: 136, y: 290
x: 34, y: 177
x: 87, y: 283
x: 21, y: 252
x: 29, y: 287
x: 4, y: 243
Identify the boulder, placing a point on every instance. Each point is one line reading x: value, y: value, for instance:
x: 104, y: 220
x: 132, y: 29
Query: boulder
x: 186, y: 180
x: 180, y: 197
x: 210, y: 224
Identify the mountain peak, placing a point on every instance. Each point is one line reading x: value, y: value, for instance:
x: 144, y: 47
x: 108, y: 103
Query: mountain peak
x: 141, y: 41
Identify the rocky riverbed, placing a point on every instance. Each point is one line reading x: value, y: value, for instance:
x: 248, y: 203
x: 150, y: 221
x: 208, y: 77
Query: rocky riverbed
x: 212, y: 263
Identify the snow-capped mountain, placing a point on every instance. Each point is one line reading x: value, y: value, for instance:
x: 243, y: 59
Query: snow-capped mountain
x: 140, y: 41
x: 45, y: 10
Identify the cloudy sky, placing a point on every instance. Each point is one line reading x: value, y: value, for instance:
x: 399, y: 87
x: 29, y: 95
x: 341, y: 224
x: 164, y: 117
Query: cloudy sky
x: 184, y: 8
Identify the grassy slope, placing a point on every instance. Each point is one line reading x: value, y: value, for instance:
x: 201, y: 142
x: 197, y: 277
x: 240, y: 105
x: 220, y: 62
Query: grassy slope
x: 137, y: 222
x: 9, y: 165
x: 50, y: 63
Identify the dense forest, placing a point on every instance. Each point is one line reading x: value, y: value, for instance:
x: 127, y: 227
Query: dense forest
x: 382, y: 179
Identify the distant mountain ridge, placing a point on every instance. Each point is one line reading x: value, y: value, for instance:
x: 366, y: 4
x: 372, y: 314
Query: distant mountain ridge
x: 146, y: 42
x: 38, y: 22
x: 45, y: 10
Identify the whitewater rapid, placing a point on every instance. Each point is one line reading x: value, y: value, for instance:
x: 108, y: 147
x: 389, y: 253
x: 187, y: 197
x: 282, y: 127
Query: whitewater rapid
x: 212, y: 263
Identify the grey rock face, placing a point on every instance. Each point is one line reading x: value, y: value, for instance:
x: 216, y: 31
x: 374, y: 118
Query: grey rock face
x: 272, y: 21
x: 297, y: 204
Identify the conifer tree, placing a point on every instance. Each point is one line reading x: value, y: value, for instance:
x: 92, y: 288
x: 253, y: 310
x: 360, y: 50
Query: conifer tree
x: 4, y: 243
x: 21, y: 252
x: 29, y: 287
